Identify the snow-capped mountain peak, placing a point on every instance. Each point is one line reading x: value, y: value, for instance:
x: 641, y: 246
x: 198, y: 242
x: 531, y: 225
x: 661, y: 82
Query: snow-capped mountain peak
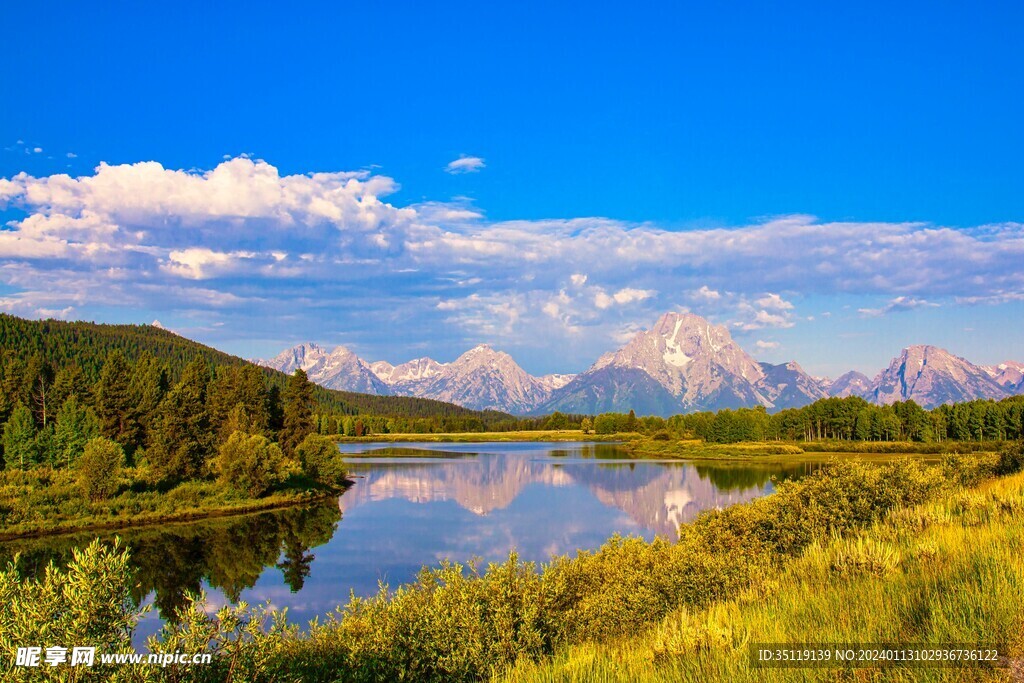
x: 931, y: 376
x: 682, y: 363
x: 338, y: 369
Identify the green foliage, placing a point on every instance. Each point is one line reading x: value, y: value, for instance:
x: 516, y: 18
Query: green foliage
x: 76, y: 426
x: 100, y: 468
x: 612, y: 423
x: 86, y: 346
x: 854, y: 419
x: 237, y: 400
x: 20, y: 447
x: 298, y: 412
x: 1011, y: 458
x: 251, y: 463
x: 88, y: 604
x: 115, y: 404
x: 183, y: 440
x: 321, y: 461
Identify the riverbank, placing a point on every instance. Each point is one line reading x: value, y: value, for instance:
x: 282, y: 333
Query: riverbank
x: 39, y: 503
x: 488, y: 437
x: 645, y: 446
x: 695, y: 449
x: 949, y: 571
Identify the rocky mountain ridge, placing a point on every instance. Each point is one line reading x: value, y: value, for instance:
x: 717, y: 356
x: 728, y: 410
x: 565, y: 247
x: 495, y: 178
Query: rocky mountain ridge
x: 683, y: 363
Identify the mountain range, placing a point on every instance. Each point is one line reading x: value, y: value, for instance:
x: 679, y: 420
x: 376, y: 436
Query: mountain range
x: 682, y: 364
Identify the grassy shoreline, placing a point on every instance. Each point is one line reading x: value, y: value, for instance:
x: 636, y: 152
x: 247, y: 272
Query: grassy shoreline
x: 946, y: 571
x: 488, y: 437
x: 48, y: 502
x: 190, y: 514
x: 645, y: 447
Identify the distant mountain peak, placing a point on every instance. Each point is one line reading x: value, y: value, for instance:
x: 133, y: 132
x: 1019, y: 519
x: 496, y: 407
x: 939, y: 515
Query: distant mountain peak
x: 682, y: 363
x: 930, y: 376
x: 338, y: 369
x: 852, y: 383
x: 696, y: 363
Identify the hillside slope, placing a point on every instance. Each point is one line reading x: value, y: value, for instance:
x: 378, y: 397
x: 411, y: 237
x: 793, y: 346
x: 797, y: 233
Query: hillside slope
x: 88, y: 344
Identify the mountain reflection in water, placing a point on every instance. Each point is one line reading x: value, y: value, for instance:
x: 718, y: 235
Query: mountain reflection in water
x: 415, y: 505
x: 658, y: 495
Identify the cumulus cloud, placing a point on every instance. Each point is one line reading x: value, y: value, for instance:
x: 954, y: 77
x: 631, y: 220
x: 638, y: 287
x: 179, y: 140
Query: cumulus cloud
x: 766, y: 345
x: 762, y: 319
x: 774, y: 302
x: 464, y: 164
x: 707, y: 294
x: 329, y: 245
x: 622, y: 297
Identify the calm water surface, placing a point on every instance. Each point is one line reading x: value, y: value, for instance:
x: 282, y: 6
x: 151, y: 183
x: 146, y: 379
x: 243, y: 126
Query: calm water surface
x: 417, y: 504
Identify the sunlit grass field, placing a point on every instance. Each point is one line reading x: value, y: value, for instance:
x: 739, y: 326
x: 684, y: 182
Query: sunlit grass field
x: 948, y: 571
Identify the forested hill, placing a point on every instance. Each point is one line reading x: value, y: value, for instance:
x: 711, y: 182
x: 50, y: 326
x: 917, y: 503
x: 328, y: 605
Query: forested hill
x: 87, y: 345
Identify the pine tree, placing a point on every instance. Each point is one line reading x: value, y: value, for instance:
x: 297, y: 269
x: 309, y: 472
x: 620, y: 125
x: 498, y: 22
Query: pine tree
x: 148, y: 386
x: 20, y: 448
x: 275, y: 411
x: 115, y: 404
x: 12, y: 385
x: 76, y: 426
x: 298, y: 412
x: 183, y: 443
x: 234, y: 387
x: 40, y: 378
x: 70, y: 381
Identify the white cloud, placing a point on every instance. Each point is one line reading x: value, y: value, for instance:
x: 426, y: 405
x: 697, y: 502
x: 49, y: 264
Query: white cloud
x: 774, y: 302
x: 763, y: 319
x: 198, y: 263
x: 71, y: 155
x: 465, y: 164
x: 766, y: 345
x: 37, y: 150
x: 622, y: 297
x: 707, y: 294
x: 900, y: 303
x: 142, y: 235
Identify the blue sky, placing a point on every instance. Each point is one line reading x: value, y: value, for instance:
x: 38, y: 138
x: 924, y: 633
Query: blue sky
x: 832, y: 183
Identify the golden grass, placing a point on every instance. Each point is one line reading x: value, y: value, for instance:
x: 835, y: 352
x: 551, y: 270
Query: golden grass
x: 951, y: 571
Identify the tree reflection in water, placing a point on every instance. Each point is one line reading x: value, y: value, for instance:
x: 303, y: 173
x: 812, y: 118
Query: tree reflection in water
x: 229, y: 554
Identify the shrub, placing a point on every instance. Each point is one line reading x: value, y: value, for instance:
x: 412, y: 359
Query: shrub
x: 661, y: 435
x: 321, y: 460
x: 99, y: 468
x: 1011, y: 458
x: 251, y: 463
x: 88, y: 604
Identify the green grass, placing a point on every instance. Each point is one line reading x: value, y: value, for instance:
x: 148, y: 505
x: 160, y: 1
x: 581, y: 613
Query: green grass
x: 900, y: 447
x: 44, y: 501
x: 695, y: 449
x: 948, y: 571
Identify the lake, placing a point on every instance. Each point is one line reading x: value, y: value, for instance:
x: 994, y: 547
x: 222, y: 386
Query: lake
x: 416, y: 504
